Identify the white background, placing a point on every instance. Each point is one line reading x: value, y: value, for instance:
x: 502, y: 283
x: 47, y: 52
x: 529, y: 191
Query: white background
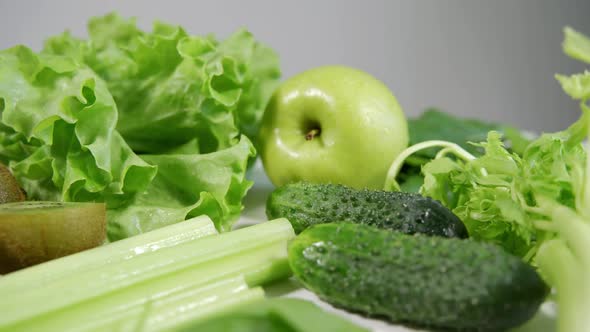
x: 489, y: 59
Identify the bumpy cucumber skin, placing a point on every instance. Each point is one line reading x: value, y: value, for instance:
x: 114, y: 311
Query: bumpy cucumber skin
x: 306, y: 204
x: 422, y: 280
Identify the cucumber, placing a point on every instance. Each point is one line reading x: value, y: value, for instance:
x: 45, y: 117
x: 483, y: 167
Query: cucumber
x: 306, y: 204
x: 422, y: 280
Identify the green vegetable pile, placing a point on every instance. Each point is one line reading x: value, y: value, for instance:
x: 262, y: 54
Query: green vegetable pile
x: 149, y: 281
x: 535, y: 205
x: 404, y: 257
x: 157, y: 125
x: 475, y: 219
x: 434, y: 124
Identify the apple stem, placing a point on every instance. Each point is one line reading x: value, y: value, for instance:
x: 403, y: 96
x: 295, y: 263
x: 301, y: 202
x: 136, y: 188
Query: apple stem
x: 312, y: 134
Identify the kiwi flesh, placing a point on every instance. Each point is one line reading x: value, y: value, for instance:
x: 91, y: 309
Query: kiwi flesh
x: 34, y: 232
x: 10, y: 191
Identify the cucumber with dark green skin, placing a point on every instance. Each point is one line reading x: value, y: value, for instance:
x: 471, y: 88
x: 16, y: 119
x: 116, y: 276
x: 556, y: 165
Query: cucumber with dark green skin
x: 306, y: 204
x: 422, y: 280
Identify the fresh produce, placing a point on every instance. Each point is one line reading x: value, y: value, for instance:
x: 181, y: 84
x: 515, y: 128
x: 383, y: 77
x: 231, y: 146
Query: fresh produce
x: 156, y: 287
x: 77, y: 119
x: 161, y: 126
x: 274, y: 315
x: 536, y: 205
x: 332, y: 124
x: 10, y: 190
x: 434, y: 124
x: 175, y: 92
x: 307, y: 204
x: 423, y: 280
x: 165, y: 309
x: 35, y: 232
x: 186, y: 186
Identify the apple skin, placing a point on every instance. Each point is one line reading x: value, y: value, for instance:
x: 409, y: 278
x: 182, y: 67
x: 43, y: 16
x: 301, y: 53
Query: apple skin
x: 332, y: 124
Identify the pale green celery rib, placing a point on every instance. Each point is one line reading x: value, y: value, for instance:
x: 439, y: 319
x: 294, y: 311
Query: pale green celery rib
x: 199, y: 311
x: 168, y: 308
x: 43, y: 274
x: 165, y: 297
x: 183, y: 317
x: 126, y: 310
x: 85, y: 285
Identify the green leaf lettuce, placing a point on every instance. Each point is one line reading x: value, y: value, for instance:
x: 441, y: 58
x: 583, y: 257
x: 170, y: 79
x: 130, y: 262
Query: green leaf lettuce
x: 57, y: 132
x: 186, y: 186
x: 177, y: 92
x: 158, y: 125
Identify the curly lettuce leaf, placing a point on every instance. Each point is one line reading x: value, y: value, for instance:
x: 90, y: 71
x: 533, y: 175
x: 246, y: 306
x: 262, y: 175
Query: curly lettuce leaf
x: 58, y: 134
x: 177, y: 93
x: 478, y: 191
x: 576, y: 86
x: 535, y: 204
x: 576, y: 45
x: 58, y: 131
x: 496, y: 195
x: 150, y: 122
x: 434, y: 124
x: 185, y: 186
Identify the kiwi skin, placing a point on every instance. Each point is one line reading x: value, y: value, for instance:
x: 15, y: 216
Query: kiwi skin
x: 36, y: 232
x: 10, y: 190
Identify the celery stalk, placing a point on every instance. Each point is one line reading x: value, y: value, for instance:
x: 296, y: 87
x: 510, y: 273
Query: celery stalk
x: 228, y: 254
x: 204, y: 311
x: 183, y: 317
x: 43, y: 274
x: 197, y: 300
x: 170, y: 291
x: 126, y: 310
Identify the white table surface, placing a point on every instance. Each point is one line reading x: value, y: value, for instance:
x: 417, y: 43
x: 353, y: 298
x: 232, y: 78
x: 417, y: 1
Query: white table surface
x: 254, y: 212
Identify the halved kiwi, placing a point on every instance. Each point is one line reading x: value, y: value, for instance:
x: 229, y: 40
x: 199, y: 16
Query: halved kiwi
x: 34, y: 232
x: 10, y: 191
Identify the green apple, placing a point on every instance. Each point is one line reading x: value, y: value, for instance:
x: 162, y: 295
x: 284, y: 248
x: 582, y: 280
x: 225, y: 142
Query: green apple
x: 332, y: 124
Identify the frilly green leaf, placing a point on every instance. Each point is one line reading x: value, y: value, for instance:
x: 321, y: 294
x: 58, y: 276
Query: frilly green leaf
x: 58, y: 125
x: 576, y: 86
x: 172, y: 88
x: 152, y: 123
x: 187, y: 186
x: 576, y: 45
